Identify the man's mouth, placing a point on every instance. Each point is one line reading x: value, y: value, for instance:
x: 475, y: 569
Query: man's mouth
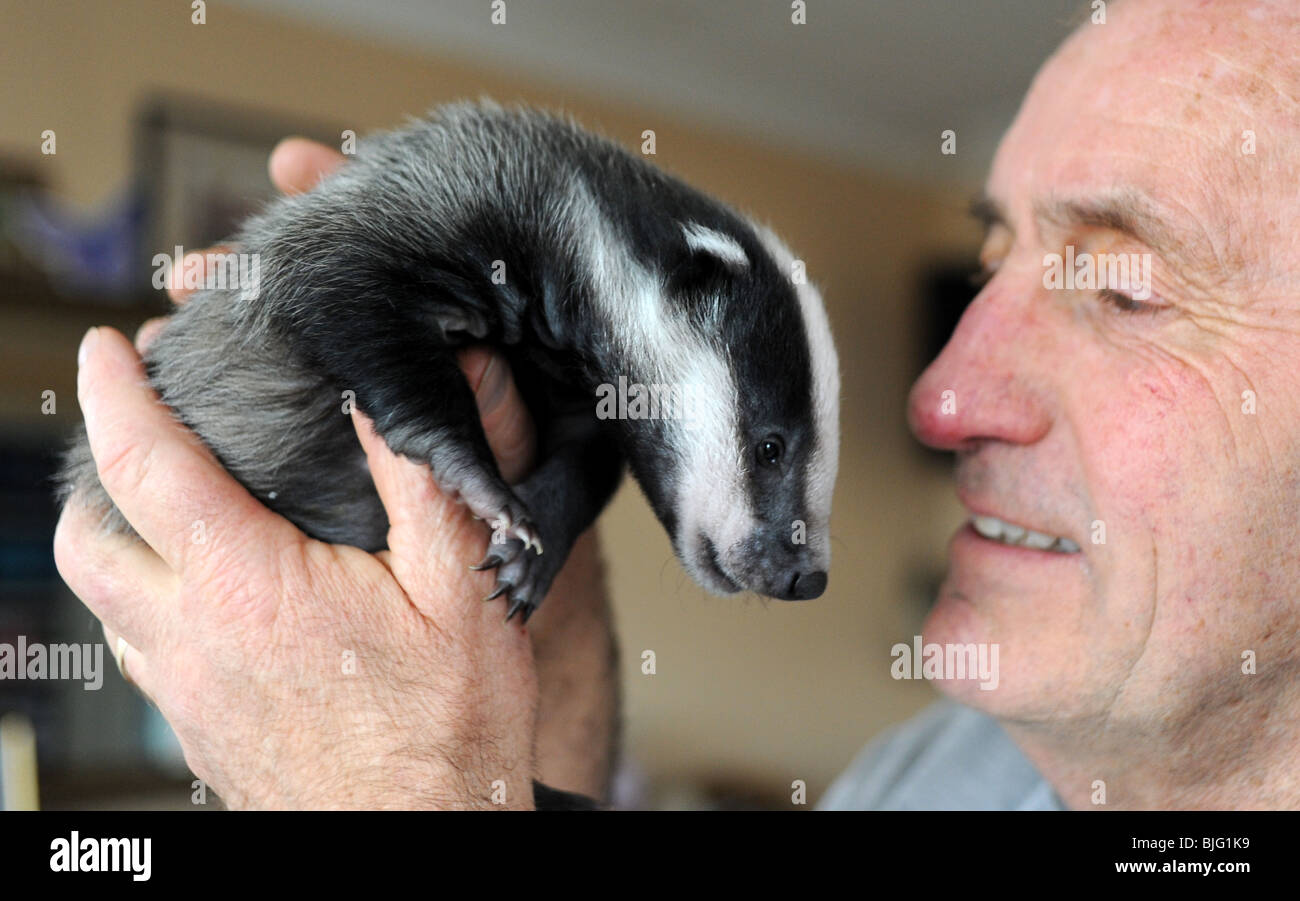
x: 1003, y: 532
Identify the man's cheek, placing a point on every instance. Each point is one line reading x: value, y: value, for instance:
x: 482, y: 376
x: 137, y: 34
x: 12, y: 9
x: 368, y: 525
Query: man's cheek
x: 1156, y: 467
x: 1133, y: 434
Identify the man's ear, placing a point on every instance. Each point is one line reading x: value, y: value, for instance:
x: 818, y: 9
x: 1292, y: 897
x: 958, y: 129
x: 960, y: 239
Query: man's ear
x: 708, y: 255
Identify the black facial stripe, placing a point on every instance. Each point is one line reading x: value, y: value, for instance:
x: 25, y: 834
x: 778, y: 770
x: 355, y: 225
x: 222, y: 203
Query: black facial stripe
x: 772, y: 351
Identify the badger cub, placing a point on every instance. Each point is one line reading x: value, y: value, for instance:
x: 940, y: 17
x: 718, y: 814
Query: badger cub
x: 596, y: 274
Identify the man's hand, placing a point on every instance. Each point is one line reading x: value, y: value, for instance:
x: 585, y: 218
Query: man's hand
x: 302, y: 674
x: 296, y: 673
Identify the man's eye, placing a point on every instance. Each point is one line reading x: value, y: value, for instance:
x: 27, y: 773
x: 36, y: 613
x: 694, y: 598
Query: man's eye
x: 1126, y: 304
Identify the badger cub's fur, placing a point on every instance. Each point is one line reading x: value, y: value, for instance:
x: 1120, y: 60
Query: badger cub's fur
x: 596, y: 274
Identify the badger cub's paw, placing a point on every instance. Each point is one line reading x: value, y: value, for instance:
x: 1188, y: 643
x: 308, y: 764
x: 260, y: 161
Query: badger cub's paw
x: 516, y: 578
x: 519, y: 575
x: 514, y: 547
x: 494, y: 503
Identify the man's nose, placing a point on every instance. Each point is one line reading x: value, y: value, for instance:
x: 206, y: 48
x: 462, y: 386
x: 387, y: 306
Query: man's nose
x: 988, y: 383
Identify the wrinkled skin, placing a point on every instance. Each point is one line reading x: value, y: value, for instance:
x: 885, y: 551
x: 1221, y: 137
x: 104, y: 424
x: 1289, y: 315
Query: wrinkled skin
x: 1123, y: 663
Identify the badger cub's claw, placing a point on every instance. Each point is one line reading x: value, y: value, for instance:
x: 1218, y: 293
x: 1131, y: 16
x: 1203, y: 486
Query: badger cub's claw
x: 516, y: 578
x: 491, y: 500
x: 506, y: 531
x: 517, y: 606
x: 487, y: 562
x: 514, y: 550
x: 516, y: 569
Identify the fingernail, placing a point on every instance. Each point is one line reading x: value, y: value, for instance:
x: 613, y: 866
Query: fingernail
x: 87, y: 342
x: 492, y: 386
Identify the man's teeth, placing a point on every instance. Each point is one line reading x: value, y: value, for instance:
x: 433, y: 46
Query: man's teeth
x: 1008, y: 533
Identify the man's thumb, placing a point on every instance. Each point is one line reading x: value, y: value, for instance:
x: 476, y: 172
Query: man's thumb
x: 506, y: 420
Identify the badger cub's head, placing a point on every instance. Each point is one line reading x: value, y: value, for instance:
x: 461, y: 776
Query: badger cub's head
x: 744, y: 477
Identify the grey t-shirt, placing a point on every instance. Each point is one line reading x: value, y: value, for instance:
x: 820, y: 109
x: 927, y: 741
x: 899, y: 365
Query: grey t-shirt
x: 947, y: 757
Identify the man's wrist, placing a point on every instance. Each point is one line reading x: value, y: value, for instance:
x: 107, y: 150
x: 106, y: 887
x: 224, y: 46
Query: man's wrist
x: 577, y: 665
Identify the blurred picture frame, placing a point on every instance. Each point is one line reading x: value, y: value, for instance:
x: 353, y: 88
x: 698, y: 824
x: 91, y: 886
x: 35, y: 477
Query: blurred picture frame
x: 945, y: 288
x: 202, y: 169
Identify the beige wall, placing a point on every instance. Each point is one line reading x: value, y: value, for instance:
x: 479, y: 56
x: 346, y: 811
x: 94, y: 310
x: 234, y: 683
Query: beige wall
x: 744, y: 686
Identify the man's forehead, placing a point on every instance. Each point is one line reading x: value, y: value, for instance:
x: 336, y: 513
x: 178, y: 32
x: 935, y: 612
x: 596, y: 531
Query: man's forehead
x: 1167, y: 114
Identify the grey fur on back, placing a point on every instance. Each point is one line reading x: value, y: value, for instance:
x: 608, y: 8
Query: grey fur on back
x: 273, y: 423
x: 224, y: 365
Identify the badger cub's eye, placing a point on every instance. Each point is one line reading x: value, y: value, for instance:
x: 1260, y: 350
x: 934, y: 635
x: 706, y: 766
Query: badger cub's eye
x: 770, y: 450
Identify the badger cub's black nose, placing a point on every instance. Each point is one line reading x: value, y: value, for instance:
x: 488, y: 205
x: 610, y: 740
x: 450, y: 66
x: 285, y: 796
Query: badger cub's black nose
x: 806, y: 586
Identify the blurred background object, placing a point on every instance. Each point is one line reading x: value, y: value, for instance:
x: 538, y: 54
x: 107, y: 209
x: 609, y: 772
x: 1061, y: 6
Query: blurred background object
x: 130, y: 128
x: 18, y: 776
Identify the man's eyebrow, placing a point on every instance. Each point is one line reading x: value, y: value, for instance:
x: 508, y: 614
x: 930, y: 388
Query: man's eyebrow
x: 1124, y: 213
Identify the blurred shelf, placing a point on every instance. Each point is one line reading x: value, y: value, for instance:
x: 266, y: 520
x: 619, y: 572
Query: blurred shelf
x: 30, y: 290
x: 40, y: 330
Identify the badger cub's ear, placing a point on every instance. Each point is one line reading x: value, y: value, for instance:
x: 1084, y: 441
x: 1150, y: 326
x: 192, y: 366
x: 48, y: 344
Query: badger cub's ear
x: 700, y: 239
x: 710, y: 255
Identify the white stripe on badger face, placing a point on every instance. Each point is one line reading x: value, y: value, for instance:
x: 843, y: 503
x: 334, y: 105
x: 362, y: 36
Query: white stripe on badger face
x: 820, y: 478
x: 660, y: 343
x: 707, y: 240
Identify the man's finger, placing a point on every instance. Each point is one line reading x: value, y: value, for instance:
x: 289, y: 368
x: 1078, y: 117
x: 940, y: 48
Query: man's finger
x: 422, y: 521
x: 506, y: 420
x: 119, y: 579
x: 131, y: 663
x: 147, y: 331
x: 184, y: 281
x: 297, y: 164
x: 160, y: 476
x: 431, y: 541
x: 431, y: 538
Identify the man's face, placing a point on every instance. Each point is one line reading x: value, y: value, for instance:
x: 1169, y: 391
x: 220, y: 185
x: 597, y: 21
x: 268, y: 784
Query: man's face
x: 1171, y: 424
